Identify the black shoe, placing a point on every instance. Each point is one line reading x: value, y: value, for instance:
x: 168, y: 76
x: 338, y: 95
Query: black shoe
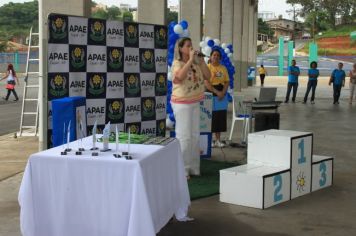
x: 304, y: 102
x: 293, y: 101
x: 16, y: 100
x: 286, y: 101
x: 4, y: 98
x: 312, y: 102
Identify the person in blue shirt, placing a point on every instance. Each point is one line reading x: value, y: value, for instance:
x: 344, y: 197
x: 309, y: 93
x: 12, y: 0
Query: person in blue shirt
x: 338, y: 79
x: 313, y: 74
x: 293, y: 74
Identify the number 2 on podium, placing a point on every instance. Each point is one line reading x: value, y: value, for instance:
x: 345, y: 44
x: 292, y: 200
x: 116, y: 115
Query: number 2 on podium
x: 302, y: 158
x: 322, y: 169
x: 277, y: 183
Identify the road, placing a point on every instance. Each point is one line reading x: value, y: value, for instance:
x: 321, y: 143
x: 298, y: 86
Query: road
x: 325, y: 64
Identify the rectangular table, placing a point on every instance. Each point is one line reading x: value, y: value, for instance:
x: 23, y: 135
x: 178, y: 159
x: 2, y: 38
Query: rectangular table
x: 83, y: 195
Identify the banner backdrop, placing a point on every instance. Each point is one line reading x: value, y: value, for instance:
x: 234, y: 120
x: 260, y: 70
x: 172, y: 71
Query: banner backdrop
x: 120, y: 67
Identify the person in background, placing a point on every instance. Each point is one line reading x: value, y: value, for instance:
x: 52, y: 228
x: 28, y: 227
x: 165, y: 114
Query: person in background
x: 219, y: 83
x: 352, y: 82
x: 263, y: 72
x: 313, y: 74
x: 189, y: 72
x: 10, y: 86
x: 337, y: 78
x: 293, y: 74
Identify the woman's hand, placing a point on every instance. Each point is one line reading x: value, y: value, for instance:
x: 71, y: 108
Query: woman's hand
x: 191, y: 54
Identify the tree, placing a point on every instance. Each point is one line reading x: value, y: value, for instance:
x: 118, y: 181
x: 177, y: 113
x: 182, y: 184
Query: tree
x: 264, y: 28
x: 127, y: 16
x: 113, y: 13
x: 171, y: 16
x: 100, y: 14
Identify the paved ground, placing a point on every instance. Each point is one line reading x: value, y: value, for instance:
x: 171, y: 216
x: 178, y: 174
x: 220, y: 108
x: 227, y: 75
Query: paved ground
x: 327, y: 212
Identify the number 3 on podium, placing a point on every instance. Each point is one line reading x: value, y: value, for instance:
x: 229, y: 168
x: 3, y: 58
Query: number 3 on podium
x: 322, y: 169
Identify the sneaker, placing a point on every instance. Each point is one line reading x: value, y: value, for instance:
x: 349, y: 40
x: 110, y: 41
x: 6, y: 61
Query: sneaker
x: 286, y: 101
x: 304, y: 102
x: 4, y: 98
x: 213, y: 144
x: 220, y: 144
x: 15, y: 100
x: 312, y: 102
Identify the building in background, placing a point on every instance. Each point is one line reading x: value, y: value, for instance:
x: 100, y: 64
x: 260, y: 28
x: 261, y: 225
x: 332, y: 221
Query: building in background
x: 286, y: 28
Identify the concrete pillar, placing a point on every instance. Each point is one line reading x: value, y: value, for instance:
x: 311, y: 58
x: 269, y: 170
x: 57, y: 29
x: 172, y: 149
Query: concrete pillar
x: 212, y: 18
x: 68, y: 7
x: 237, y: 6
x: 152, y: 12
x: 251, y: 26
x: 192, y: 11
x: 245, y: 42
x: 227, y: 20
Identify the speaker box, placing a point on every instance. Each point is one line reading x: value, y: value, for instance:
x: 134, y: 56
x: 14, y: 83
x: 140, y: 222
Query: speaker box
x: 266, y: 121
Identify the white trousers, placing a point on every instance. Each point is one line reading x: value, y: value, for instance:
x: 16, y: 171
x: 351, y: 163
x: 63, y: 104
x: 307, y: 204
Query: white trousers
x: 188, y: 132
x: 352, y: 90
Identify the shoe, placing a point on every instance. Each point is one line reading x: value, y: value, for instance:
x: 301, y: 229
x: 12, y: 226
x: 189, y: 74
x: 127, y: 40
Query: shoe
x: 220, y: 144
x: 15, y: 100
x: 213, y: 144
x: 337, y: 103
x: 4, y: 98
x: 312, y: 102
x: 293, y: 101
x: 286, y: 101
x: 304, y: 102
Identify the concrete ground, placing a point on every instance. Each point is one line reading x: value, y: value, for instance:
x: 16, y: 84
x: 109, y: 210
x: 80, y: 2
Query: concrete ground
x: 331, y: 211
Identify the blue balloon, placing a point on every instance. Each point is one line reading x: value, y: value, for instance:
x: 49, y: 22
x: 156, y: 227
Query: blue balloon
x: 211, y: 43
x: 171, y: 117
x: 184, y: 24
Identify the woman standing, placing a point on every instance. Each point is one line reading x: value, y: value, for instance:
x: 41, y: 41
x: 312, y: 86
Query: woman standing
x: 352, y: 82
x: 10, y: 86
x: 189, y: 72
x: 313, y: 74
x: 219, y: 83
x: 262, y: 71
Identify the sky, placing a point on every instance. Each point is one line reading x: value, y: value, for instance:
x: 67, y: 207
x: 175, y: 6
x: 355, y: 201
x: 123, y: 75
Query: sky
x: 277, y: 6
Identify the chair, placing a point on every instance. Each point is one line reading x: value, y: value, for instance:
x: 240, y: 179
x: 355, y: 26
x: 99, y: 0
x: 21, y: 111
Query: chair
x: 240, y: 113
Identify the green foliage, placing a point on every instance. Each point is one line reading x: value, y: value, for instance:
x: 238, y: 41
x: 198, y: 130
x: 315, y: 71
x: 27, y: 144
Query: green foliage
x: 114, y: 13
x: 171, y: 16
x: 264, y: 28
x: 16, y: 19
x: 127, y: 16
x: 343, y: 30
x: 100, y: 14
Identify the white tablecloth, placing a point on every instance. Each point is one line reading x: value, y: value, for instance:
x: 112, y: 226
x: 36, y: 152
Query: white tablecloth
x: 83, y: 195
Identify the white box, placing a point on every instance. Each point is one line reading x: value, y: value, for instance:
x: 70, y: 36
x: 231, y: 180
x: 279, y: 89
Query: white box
x: 322, y: 172
x: 253, y: 185
x: 289, y: 149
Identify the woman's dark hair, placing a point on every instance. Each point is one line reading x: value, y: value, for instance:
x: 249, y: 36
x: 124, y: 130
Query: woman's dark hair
x: 313, y: 63
x: 181, y: 43
x: 215, y: 50
x: 262, y: 66
x: 10, y: 67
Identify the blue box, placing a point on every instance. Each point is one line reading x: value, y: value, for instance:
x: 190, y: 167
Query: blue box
x: 63, y: 111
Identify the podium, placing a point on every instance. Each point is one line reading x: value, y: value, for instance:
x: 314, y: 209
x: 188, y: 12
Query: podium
x: 280, y: 167
x: 65, y: 110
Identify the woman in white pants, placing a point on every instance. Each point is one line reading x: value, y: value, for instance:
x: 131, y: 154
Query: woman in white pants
x: 189, y: 71
x: 352, y: 82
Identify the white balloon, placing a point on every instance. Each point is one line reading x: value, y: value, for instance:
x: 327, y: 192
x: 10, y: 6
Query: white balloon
x: 202, y: 44
x: 229, y: 55
x: 185, y: 33
x: 207, y: 38
x: 207, y: 50
x: 216, y: 42
x: 227, y: 51
x: 169, y: 76
x: 206, y: 59
x: 169, y: 123
x: 178, y: 29
x: 224, y: 45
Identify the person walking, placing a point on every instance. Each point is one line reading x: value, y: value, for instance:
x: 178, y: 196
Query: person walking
x: 337, y: 78
x: 189, y: 71
x: 10, y: 86
x: 313, y: 74
x: 263, y: 72
x: 293, y: 74
x: 219, y: 83
x: 352, y: 82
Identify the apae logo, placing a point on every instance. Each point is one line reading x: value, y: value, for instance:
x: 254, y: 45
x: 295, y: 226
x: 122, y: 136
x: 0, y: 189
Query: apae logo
x: 58, y: 86
x: 147, y: 60
x: 161, y: 128
x: 97, y: 31
x: 58, y: 28
x: 148, y: 108
x: 161, y: 87
x: 132, y: 85
x: 116, y: 109
x: 78, y: 28
x: 115, y: 58
x: 96, y: 84
x: 161, y: 37
x: 134, y: 129
x: 131, y: 34
x: 77, y: 58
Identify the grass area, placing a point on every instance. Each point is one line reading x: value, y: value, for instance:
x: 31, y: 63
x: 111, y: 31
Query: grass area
x: 343, y: 30
x: 208, y: 183
x: 329, y: 51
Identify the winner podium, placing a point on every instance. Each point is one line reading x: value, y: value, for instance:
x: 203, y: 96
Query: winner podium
x: 280, y: 167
